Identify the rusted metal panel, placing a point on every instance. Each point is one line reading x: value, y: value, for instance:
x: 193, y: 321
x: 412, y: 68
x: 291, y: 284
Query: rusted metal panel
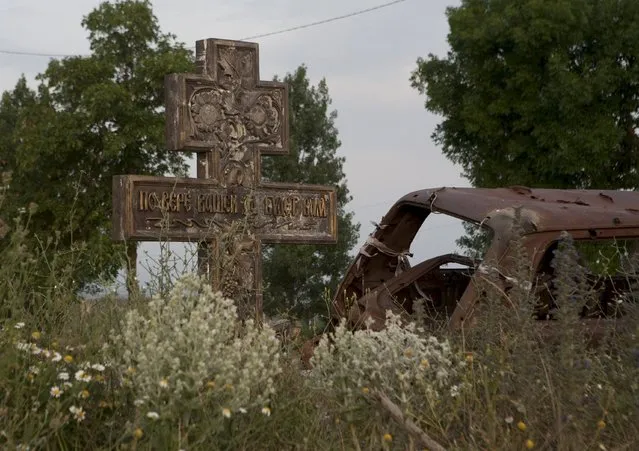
x: 380, y: 269
x: 160, y: 208
x: 549, y: 209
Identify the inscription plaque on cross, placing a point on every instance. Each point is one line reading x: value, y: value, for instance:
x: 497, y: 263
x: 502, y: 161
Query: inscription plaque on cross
x: 229, y: 118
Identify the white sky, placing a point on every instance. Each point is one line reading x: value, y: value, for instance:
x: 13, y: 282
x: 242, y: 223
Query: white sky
x: 366, y: 60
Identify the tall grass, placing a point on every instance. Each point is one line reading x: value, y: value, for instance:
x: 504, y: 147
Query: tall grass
x: 180, y: 371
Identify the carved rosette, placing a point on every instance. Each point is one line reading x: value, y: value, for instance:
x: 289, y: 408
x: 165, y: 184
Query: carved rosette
x: 215, y: 119
x: 210, y: 116
x: 263, y: 119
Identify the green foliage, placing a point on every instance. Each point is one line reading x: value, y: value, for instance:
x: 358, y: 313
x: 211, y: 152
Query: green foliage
x: 295, y: 276
x: 63, y: 389
x: 476, y: 241
x: 542, y: 93
x: 539, y: 92
x: 91, y: 118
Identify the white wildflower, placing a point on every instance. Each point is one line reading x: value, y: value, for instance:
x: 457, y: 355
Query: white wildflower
x: 23, y: 346
x: 78, y: 413
x: 266, y: 411
x: 153, y: 415
x: 138, y: 402
x: 55, y: 391
x: 56, y: 357
x: 63, y: 376
x: 19, y: 325
x: 83, y: 376
x: 98, y: 367
x: 188, y: 335
x: 226, y: 412
x: 242, y: 410
x: 34, y: 370
x: 399, y: 358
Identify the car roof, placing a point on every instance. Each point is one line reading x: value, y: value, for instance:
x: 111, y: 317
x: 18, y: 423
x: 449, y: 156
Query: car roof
x: 548, y: 209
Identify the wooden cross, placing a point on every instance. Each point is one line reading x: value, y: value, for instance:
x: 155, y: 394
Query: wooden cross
x: 229, y: 117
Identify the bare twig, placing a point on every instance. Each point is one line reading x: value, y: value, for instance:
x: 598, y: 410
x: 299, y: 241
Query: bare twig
x: 410, y: 427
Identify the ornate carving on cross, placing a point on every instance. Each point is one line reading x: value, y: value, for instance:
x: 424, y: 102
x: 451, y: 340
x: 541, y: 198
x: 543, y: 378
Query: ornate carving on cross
x: 229, y: 117
x: 227, y: 114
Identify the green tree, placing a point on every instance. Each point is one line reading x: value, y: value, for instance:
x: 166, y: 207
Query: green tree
x: 295, y: 276
x: 92, y: 117
x: 543, y: 93
x: 539, y: 92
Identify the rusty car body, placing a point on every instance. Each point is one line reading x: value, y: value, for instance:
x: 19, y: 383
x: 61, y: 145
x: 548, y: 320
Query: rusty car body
x: 380, y: 278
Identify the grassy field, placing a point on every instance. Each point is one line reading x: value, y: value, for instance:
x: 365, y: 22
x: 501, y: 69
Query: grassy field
x: 178, y: 372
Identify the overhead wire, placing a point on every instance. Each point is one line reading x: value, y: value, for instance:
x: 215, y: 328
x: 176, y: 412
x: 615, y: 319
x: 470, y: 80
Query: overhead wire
x: 321, y: 22
x: 263, y: 35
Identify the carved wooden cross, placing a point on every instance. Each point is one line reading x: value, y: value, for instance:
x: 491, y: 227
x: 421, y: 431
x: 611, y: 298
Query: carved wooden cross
x: 229, y: 117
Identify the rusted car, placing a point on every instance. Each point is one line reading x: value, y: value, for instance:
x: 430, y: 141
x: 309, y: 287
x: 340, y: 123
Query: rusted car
x: 381, y: 278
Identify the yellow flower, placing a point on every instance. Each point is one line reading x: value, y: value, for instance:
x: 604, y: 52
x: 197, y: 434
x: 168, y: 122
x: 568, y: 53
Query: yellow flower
x: 469, y: 357
x: 54, y: 345
x: 99, y: 378
x: 387, y: 437
x: 365, y: 390
x: 84, y: 394
x: 601, y: 424
x: 425, y: 363
x: 164, y: 383
x: 530, y: 444
x: 266, y: 411
x: 226, y: 412
x: 522, y: 426
x: 138, y: 433
x: 408, y: 353
x: 68, y: 358
x: 210, y: 384
x: 130, y: 370
x: 36, y: 335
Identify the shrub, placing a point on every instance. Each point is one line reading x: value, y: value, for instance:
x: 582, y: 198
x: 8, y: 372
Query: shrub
x: 188, y: 351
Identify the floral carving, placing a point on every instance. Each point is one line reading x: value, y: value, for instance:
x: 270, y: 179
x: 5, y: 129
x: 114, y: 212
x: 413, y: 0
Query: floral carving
x: 206, y: 110
x: 263, y: 118
x: 232, y: 115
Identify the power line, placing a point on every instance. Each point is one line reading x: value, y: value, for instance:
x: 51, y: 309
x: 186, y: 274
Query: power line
x: 299, y: 27
x: 17, y: 52
x: 332, y: 19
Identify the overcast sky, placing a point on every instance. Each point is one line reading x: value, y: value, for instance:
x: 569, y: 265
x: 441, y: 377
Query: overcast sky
x: 366, y: 60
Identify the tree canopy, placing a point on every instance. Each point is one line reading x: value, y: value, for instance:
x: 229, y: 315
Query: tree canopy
x: 542, y: 93
x: 295, y: 276
x: 101, y: 115
x: 91, y: 117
